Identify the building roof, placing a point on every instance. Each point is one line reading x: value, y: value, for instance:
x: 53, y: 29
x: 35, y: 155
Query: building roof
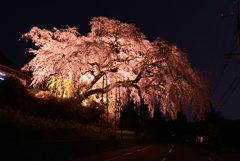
x: 9, y: 67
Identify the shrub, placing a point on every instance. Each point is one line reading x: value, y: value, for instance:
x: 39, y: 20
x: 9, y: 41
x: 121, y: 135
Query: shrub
x: 15, y: 126
x: 67, y: 109
x: 15, y: 94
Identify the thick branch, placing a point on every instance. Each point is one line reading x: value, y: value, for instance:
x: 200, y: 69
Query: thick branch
x: 128, y: 83
x: 138, y: 78
x: 97, y: 77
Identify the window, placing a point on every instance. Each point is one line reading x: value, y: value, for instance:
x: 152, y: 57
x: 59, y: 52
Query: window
x: 2, y: 75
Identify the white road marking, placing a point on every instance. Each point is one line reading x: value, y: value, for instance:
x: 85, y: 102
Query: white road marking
x: 163, y: 159
x: 170, y: 150
x: 118, y: 156
x: 143, y: 148
x: 127, y: 154
x: 210, y: 159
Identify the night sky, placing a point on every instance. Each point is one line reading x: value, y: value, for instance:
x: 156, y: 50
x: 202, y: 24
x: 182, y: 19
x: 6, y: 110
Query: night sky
x: 195, y: 25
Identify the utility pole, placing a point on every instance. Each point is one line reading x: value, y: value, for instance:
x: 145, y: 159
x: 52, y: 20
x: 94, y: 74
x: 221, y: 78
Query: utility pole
x: 238, y: 28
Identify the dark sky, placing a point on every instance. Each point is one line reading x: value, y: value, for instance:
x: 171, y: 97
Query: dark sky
x: 192, y: 24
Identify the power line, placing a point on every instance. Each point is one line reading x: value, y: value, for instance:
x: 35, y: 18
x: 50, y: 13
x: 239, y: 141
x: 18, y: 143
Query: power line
x: 230, y: 94
x: 238, y: 38
x: 224, y: 67
x: 228, y: 89
x: 226, y: 33
x: 235, y: 14
x: 220, y: 77
x: 222, y: 45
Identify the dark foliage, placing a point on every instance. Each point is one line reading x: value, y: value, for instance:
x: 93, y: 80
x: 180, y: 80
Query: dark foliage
x: 159, y: 128
x: 218, y: 132
x: 13, y: 93
x: 130, y: 119
x: 137, y: 119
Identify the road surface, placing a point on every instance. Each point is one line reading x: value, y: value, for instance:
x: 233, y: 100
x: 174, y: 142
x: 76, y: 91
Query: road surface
x: 166, y: 152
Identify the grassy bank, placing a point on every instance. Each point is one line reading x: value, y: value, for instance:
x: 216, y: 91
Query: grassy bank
x: 15, y: 126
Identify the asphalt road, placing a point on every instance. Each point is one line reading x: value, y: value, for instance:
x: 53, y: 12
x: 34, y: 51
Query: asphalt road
x: 166, y: 152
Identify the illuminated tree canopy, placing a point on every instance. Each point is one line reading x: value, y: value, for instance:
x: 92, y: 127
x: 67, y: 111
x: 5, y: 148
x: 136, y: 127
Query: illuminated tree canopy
x: 156, y: 72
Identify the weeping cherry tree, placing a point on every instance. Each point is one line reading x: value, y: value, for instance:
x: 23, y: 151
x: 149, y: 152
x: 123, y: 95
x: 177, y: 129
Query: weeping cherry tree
x: 156, y: 73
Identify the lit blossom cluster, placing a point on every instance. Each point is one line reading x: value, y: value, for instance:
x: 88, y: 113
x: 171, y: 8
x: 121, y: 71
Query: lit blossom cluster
x: 117, y: 59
